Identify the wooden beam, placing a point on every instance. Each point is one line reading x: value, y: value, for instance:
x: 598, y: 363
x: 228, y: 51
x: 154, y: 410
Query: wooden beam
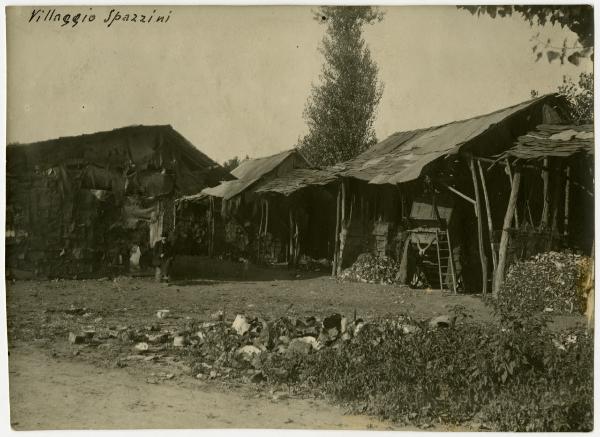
x: 546, y: 208
x: 567, y: 194
x: 291, y: 243
x: 489, y: 217
x: 458, y: 193
x: 482, y: 256
x: 510, y: 212
x: 260, y: 228
x: 266, y: 216
x: 336, y: 243
x: 556, y: 198
x: 510, y: 178
x: 342, y: 221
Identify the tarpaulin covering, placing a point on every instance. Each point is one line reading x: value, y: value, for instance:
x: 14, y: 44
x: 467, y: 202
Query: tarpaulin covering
x: 553, y: 140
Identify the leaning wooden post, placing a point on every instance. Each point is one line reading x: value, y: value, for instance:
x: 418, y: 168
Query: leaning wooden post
x: 337, y: 234
x: 546, y: 209
x: 482, y: 257
x: 510, y: 212
x: 291, y: 246
x: 567, y: 187
x: 510, y: 178
x: 342, y: 221
x: 266, y: 217
x: 489, y: 217
x: 555, y: 202
x: 260, y: 230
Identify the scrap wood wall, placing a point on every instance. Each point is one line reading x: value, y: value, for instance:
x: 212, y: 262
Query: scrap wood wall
x: 77, y: 205
x: 57, y: 234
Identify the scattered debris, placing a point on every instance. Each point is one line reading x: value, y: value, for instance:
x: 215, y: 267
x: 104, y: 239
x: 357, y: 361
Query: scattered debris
x: 240, y: 324
x: 141, y: 347
x: 299, y: 346
x: 179, y: 341
x: 76, y: 339
x: 163, y: 314
x: 442, y: 322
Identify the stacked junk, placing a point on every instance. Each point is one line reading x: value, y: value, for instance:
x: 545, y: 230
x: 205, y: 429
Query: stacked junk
x: 222, y: 348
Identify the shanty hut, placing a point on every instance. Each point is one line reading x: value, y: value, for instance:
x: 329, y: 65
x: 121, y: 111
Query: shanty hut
x: 430, y: 194
x: 551, y: 204
x: 84, y: 204
x: 230, y: 220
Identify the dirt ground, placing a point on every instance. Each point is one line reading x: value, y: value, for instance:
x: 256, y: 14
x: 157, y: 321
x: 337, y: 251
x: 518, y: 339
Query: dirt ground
x: 104, y: 386
x: 49, y: 393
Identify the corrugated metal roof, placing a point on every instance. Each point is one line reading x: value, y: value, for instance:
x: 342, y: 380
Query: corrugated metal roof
x: 402, y: 156
x: 258, y: 167
x: 553, y: 140
x: 250, y: 172
x: 229, y: 189
x: 298, y: 179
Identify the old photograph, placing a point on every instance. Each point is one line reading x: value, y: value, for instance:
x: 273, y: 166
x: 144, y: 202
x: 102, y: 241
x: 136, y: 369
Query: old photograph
x: 300, y: 217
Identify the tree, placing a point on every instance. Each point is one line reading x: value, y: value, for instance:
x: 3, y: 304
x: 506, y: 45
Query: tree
x: 234, y: 162
x: 577, y: 18
x: 341, y: 110
x: 580, y: 97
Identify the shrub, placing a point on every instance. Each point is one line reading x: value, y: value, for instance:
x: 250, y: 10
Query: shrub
x: 520, y: 377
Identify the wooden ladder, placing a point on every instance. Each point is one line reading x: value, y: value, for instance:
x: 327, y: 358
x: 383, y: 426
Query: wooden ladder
x: 438, y: 263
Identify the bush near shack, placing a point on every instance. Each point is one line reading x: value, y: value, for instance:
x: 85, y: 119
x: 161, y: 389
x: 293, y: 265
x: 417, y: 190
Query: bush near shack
x: 520, y: 377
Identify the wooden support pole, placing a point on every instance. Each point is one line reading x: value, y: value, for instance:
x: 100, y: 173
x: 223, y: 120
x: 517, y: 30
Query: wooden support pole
x: 439, y: 259
x: 336, y: 243
x: 342, y: 222
x: 482, y: 256
x: 510, y: 212
x: 556, y: 198
x: 567, y: 189
x: 458, y: 193
x: 489, y: 217
x: 260, y: 228
x: 451, y: 261
x: 546, y: 208
x: 510, y: 178
x: 266, y: 216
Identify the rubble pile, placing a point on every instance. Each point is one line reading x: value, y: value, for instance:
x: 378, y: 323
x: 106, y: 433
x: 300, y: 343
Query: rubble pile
x: 371, y: 269
x: 550, y: 282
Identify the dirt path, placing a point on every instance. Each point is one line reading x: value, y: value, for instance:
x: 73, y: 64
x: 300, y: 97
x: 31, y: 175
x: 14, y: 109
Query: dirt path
x: 48, y: 393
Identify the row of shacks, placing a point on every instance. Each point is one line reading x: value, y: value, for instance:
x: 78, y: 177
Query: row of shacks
x: 89, y: 204
x: 453, y: 204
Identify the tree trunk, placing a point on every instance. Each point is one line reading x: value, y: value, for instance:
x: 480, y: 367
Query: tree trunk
x: 510, y: 211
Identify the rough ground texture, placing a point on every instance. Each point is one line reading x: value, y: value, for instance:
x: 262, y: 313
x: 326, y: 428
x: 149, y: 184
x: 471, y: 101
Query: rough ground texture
x: 106, y: 384
x: 50, y: 393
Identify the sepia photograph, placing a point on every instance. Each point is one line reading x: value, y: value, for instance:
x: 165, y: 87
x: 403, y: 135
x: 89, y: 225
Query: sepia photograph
x: 375, y: 217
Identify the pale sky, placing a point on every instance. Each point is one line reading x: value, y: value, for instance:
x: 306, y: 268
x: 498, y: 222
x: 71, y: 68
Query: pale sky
x: 234, y: 80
